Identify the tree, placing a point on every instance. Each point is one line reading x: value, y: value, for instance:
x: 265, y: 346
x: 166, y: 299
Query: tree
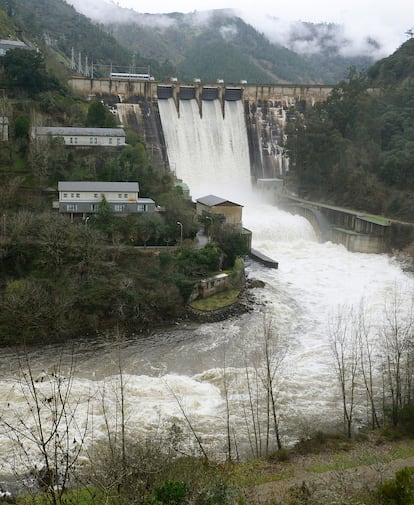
x: 22, y: 127
x: 104, y: 218
x: 99, y: 116
x: 148, y: 227
x: 262, y: 415
x: 25, y: 70
x: 398, y: 491
x: 55, y: 240
x: 344, y: 346
x: 367, y: 363
x: 46, y: 435
x: 274, y: 354
x: 398, y: 353
x: 232, y: 243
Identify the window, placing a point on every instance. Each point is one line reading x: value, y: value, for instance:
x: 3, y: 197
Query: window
x: 118, y: 141
x: 96, y: 140
x: 95, y: 195
x: 125, y: 195
x: 118, y: 207
x: 65, y: 195
x: 77, y: 195
x: 72, y: 195
x: 76, y: 140
x: 90, y: 140
x: 119, y: 195
x: 71, y: 207
x: 71, y: 140
x: 141, y: 207
x: 110, y: 140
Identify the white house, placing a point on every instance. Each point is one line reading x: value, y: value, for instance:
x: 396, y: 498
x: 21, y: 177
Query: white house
x: 72, y: 136
x: 84, y: 197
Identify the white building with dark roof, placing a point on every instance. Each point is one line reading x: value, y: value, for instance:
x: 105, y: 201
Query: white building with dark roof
x: 72, y: 136
x: 84, y: 197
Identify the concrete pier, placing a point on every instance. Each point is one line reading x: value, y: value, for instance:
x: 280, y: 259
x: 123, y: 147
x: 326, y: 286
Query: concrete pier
x: 263, y: 259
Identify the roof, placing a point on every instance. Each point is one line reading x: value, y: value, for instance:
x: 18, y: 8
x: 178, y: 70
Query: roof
x: 213, y: 201
x: 145, y: 200
x: 13, y: 44
x: 62, y: 131
x: 98, y: 186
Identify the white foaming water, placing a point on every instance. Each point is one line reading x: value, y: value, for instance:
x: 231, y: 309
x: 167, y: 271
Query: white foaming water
x: 186, y: 363
x: 209, y: 153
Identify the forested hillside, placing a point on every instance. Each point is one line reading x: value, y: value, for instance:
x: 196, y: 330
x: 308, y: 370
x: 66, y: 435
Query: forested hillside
x: 55, y: 26
x: 219, y: 44
x: 357, y: 148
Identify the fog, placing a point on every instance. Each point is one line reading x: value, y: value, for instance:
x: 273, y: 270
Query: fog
x: 368, y: 28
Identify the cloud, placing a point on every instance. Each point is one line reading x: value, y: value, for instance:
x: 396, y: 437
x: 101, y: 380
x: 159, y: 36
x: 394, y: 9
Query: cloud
x: 228, y: 32
x: 368, y: 28
x: 308, y: 38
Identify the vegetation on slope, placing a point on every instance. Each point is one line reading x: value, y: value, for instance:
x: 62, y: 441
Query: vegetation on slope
x: 66, y: 281
x: 219, y: 44
x: 55, y: 26
x: 357, y: 148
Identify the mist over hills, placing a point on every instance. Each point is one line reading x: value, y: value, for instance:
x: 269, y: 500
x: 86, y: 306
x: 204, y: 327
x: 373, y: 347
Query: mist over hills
x: 220, y: 44
x: 209, y: 45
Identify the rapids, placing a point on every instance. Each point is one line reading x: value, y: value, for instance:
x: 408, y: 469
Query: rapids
x: 189, y: 367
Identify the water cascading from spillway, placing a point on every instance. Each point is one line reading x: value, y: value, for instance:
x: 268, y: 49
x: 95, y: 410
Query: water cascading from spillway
x: 207, y: 151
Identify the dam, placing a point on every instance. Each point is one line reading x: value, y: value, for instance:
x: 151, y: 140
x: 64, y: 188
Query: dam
x: 150, y: 90
x: 266, y: 107
x: 210, y: 132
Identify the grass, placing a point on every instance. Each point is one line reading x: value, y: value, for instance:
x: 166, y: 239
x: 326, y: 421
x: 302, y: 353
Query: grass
x: 217, y: 301
x: 376, y: 220
x: 82, y: 496
x: 370, y: 456
x: 255, y: 472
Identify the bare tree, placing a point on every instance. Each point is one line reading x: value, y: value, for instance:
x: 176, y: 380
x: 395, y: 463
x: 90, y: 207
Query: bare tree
x: 398, y: 352
x: 47, y: 439
x: 367, y: 364
x: 274, y: 354
x: 344, y: 346
x: 189, y: 424
x: 262, y: 380
x: 251, y: 412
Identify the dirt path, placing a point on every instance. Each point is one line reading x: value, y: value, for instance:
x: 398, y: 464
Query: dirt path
x: 303, y: 476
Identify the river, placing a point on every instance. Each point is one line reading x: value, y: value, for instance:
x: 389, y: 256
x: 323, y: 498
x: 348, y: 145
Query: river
x: 182, y: 367
x: 185, y: 371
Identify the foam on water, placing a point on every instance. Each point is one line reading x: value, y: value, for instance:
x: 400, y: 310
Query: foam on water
x: 189, y: 362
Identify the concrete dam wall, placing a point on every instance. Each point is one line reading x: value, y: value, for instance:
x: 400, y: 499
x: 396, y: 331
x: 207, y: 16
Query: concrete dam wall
x: 266, y: 108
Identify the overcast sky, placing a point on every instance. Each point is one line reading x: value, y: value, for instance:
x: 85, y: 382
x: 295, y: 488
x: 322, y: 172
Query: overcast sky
x: 385, y: 20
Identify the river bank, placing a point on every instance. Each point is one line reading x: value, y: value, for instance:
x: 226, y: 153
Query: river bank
x: 340, y: 472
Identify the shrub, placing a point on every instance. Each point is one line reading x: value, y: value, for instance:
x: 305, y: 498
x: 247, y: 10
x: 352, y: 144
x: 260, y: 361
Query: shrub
x: 171, y: 492
x: 398, y: 491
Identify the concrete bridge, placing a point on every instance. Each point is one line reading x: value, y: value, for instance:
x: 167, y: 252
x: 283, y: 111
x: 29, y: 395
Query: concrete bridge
x: 357, y: 231
x: 126, y: 89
